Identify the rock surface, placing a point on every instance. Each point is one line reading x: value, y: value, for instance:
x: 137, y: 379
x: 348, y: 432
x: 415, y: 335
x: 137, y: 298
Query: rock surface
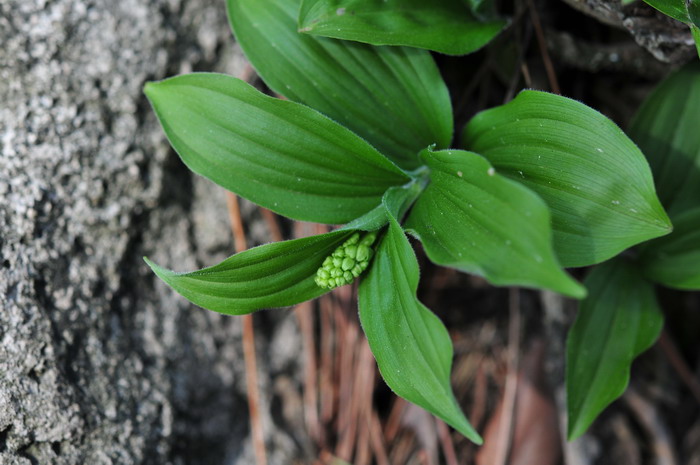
x: 99, y: 363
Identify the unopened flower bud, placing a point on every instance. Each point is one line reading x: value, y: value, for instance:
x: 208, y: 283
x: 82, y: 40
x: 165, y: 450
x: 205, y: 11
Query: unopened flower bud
x: 346, y: 262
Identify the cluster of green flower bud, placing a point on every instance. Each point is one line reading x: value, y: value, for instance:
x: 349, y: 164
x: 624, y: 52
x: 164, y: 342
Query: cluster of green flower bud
x: 346, y: 262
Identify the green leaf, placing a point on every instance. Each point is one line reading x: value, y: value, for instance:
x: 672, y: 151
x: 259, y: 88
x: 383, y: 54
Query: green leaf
x: 278, y: 154
x: 695, y: 32
x: 693, y: 8
x: 667, y: 129
x: 480, y: 222
x: 412, y: 347
x: 674, y: 8
x: 272, y: 275
x: 445, y: 26
x: 595, y: 181
x: 393, y: 97
x: 396, y: 199
x: 674, y: 260
x: 619, y: 320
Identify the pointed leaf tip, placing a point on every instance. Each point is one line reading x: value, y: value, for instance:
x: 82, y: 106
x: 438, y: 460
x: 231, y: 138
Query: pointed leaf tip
x: 595, y: 180
x: 411, y: 345
x: 471, y: 218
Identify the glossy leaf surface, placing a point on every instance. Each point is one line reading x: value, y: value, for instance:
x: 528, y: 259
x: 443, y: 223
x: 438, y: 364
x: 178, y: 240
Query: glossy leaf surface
x: 445, y: 26
x: 674, y: 260
x: 618, y: 320
x: 279, y: 154
x: 272, y: 275
x: 676, y: 9
x: 595, y: 181
x: 667, y: 129
x: 393, y: 97
x: 411, y: 345
x: 473, y: 219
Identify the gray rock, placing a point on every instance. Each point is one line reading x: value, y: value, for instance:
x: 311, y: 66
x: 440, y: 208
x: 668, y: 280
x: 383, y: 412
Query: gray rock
x: 668, y: 40
x: 99, y: 362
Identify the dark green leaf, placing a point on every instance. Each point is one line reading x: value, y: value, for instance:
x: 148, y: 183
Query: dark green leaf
x: 411, y: 345
x: 392, y: 97
x: 674, y: 8
x: 473, y: 219
x: 667, y: 129
x: 693, y: 7
x: 272, y: 275
x: 278, y: 154
x: 619, y: 320
x: 595, y: 181
x: 446, y: 26
x: 674, y: 260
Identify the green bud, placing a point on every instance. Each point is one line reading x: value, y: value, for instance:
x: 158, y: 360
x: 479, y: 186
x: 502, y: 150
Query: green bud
x: 362, y: 253
x: 346, y: 262
x: 351, y: 251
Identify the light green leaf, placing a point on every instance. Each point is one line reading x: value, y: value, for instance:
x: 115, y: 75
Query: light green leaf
x: 445, y: 26
x: 619, y: 320
x: 674, y: 8
x: 595, y: 181
x: 695, y: 32
x: 412, y: 347
x: 393, y: 97
x: 667, y: 129
x: 272, y: 275
x: 674, y: 260
x: 480, y: 222
x: 278, y: 154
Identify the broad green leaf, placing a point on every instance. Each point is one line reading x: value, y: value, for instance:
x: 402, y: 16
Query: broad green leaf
x: 667, y: 129
x: 595, y: 181
x: 446, y: 26
x: 272, y: 275
x: 411, y: 345
x: 278, y: 154
x: 674, y: 260
x: 674, y: 8
x: 619, y: 320
x: 393, y: 97
x: 473, y: 219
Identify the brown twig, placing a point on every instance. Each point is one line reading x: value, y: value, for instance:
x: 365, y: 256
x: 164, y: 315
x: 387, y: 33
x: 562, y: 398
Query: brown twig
x: 272, y: 225
x: 448, y: 448
x: 248, y: 342
x: 376, y: 440
x: 542, y: 42
x: 658, y: 432
x: 669, y: 348
x: 305, y: 319
x: 349, y: 387
x: 505, y: 433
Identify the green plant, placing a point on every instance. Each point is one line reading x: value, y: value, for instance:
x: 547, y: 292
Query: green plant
x: 621, y: 317
x: 454, y: 27
x: 685, y: 11
x: 542, y: 182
